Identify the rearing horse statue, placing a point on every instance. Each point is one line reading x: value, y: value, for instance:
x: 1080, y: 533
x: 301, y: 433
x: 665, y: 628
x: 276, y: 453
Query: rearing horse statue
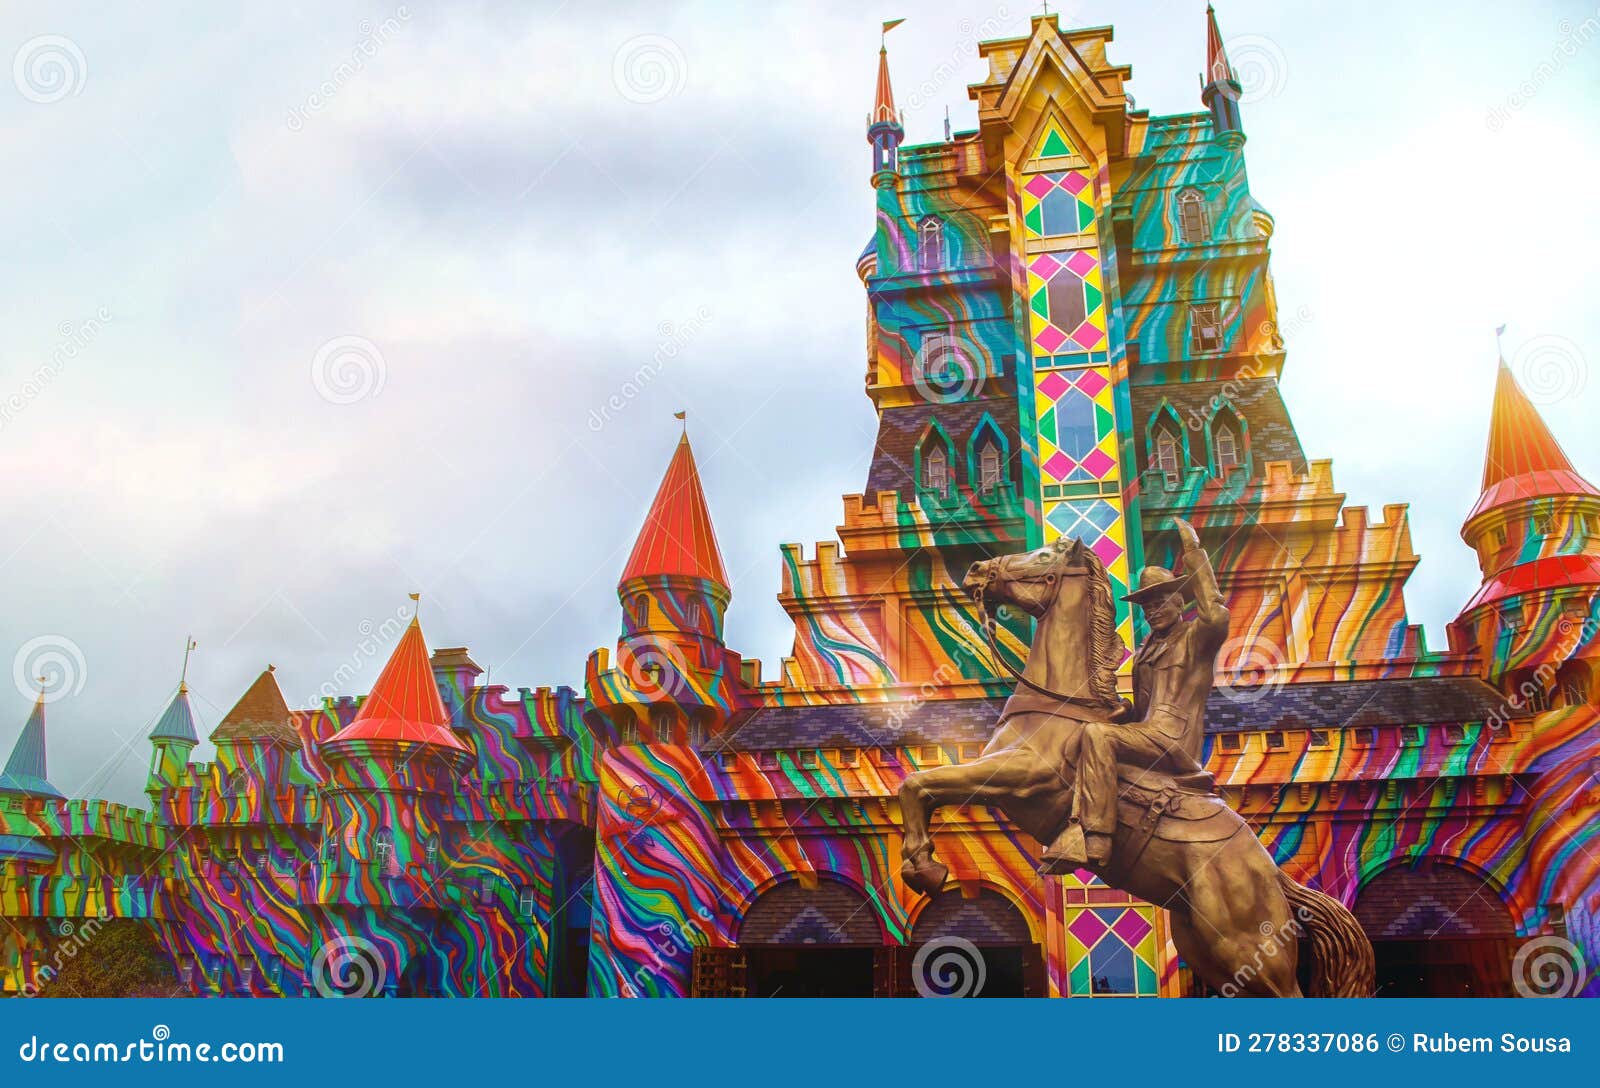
x: 1236, y: 919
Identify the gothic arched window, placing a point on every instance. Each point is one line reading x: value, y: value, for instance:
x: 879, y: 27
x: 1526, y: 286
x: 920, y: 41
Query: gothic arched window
x: 930, y: 244
x: 1194, y: 217
x: 383, y: 849
x: 238, y: 783
x: 936, y: 469
x: 1168, y: 449
x: 661, y: 724
x: 1226, y: 448
x: 988, y: 467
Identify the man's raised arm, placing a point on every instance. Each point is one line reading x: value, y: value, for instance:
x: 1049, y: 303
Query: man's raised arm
x: 1211, y: 615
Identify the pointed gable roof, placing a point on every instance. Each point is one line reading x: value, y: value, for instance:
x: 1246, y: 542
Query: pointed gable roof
x: 260, y: 715
x: 677, y: 538
x: 177, y: 721
x: 1218, y: 70
x: 1524, y: 460
x: 404, y: 704
x: 883, y: 111
x: 25, y: 771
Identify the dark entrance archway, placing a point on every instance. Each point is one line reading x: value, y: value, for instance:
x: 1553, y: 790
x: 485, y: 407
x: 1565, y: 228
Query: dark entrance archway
x: 1437, y: 930
x: 1012, y: 964
x: 810, y: 942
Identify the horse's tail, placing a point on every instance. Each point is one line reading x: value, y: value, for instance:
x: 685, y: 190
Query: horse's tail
x: 1341, y: 954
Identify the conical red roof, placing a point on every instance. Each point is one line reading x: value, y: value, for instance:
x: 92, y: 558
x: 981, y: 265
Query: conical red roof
x: 883, y: 101
x: 1524, y: 460
x: 1217, y: 67
x: 677, y: 538
x: 404, y: 704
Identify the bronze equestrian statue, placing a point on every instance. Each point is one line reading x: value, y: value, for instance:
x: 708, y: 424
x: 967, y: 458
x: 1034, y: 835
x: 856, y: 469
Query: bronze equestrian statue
x: 1118, y: 789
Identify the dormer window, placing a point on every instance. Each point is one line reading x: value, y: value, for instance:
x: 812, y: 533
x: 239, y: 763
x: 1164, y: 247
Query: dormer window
x: 1169, y: 455
x: 638, y: 611
x: 930, y: 244
x: 693, y: 616
x: 988, y: 468
x: 1205, y: 328
x: 1544, y: 524
x: 661, y: 723
x: 628, y: 731
x: 1226, y: 448
x: 238, y: 784
x: 936, y: 470
x: 1194, y: 218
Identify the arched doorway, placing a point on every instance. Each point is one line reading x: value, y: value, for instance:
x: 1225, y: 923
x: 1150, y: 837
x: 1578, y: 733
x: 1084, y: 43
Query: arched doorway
x: 1012, y: 964
x: 1438, y: 930
x: 816, y: 941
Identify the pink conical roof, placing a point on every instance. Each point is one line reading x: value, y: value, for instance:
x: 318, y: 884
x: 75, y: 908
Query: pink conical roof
x: 404, y: 704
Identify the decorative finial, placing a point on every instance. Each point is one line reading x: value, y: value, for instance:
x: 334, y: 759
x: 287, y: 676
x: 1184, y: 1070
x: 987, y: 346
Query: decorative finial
x: 271, y: 667
x: 189, y: 644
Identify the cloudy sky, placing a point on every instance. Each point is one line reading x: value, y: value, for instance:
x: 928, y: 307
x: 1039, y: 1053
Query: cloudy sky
x: 311, y: 307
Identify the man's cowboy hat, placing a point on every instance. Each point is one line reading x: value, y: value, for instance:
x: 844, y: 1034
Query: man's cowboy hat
x: 1157, y: 582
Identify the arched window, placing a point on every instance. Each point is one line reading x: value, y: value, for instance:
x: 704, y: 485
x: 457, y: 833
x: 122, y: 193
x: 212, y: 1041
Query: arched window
x: 383, y: 849
x: 638, y: 610
x: 697, y: 731
x: 238, y: 784
x: 936, y: 469
x: 1226, y: 448
x: 527, y: 901
x: 432, y: 850
x: 330, y: 847
x: 661, y: 724
x: 1194, y: 217
x: 1168, y: 450
x: 693, y: 616
x: 1573, y: 680
x: 930, y: 244
x: 988, y: 467
x: 628, y: 731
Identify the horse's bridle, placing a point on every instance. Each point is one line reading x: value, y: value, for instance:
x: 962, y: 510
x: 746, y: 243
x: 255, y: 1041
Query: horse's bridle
x: 1052, y: 577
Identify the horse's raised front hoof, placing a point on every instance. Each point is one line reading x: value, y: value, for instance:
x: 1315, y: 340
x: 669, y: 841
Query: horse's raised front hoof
x: 927, y: 878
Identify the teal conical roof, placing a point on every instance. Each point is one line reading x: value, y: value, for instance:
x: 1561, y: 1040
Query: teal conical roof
x: 25, y: 770
x: 177, y: 723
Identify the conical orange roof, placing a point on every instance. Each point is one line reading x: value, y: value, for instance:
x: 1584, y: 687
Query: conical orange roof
x: 404, y: 704
x: 1218, y: 69
x: 883, y: 111
x: 1524, y: 460
x: 677, y: 538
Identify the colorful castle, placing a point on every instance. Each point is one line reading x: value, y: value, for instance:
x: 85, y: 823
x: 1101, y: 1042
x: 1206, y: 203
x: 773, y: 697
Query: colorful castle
x: 1071, y: 332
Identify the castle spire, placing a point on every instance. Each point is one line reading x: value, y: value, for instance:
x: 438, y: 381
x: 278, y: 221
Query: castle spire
x: 177, y: 721
x: 677, y: 538
x: 25, y: 772
x: 404, y: 704
x: 1220, y: 89
x: 261, y: 714
x: 1523, y: 460
x: 884, y: 131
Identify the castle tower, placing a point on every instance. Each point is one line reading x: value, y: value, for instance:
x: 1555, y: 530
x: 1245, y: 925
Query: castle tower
x: 1220, y: 88
x: 171, y: 742
x: 674, y: 680
x: 390, y: 772
x: 25, y: 774
x: 1536, y: 531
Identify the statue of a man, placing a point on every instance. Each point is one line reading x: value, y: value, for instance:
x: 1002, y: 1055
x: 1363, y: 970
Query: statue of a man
x: 1172, y: 674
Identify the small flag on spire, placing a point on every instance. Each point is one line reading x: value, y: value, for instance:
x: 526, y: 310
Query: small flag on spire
x: 680, y: 415
x: 416, y: 597
x: 890, y: 24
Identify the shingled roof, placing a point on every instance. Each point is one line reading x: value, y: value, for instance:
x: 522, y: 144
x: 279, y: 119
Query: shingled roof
x: 260, y: 715
x: 1340, y: 704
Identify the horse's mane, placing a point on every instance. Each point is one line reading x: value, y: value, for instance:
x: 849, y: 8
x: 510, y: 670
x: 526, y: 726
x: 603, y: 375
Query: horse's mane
x: 1105, y: 647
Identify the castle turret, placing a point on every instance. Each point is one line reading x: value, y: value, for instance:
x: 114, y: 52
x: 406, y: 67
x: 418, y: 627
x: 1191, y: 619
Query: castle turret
x: 171, y: 742
x: 884, y: 131
x: 1536, y: 531
x: 673, y: 675
x: 1220, y: 89
x: 25, y: 774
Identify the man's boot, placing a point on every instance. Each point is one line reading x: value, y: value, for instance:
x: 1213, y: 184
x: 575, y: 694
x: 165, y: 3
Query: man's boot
x: 1075, y: 849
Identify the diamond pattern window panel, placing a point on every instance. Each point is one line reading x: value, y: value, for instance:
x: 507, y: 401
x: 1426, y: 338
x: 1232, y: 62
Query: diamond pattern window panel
x: 1066, y: 302
x: 1058, y: 204
x: 1111, y: 952
x: 1078, y: 447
